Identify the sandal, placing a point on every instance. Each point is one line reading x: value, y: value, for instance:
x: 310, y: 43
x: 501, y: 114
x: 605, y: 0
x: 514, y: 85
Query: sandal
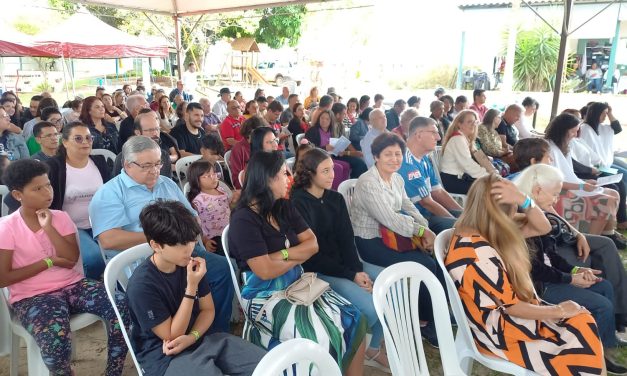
x: 372, y: 362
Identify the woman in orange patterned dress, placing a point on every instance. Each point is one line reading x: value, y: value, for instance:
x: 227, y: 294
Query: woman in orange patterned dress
x: 489, y: 262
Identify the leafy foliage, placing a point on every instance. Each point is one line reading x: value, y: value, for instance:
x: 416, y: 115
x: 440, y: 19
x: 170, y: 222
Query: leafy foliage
x: 281, y: 25
x: 535, y: 59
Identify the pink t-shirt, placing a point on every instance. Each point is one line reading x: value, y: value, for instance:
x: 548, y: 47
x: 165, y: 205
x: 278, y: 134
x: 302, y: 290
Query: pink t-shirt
x: 80, y: 186
x: 213, y: 211
x: 29, y: 247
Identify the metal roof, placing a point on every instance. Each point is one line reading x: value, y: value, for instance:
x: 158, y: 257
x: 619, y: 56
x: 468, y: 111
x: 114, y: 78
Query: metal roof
x: 475, y: 4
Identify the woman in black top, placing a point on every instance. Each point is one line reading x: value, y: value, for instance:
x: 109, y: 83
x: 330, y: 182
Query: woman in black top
x: 270, y: 241
x: 337, y: 261
x: 105, y: 134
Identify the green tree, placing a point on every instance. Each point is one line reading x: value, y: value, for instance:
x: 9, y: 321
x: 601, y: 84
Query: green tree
x: 535, y: 60
x: 281, y: 25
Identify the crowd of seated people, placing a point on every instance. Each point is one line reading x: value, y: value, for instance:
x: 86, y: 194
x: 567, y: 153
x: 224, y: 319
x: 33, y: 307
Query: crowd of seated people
x: 286, y: 218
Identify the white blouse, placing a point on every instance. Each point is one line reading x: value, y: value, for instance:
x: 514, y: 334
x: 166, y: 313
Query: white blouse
x: 456, y: 159
x: 564, y: 163
x: 602, y: 144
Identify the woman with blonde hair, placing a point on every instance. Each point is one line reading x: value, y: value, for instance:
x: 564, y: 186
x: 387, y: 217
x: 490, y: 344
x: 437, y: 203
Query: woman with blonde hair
x: 313, y: 99
x: 490, y: 263
x: 458, y: 169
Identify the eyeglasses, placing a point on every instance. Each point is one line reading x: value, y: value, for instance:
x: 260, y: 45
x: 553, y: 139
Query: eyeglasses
x: 80, y: 139
x: 58, y: 121
x: 275, y: 141
x: 149, y: 166
x: 51, y: 136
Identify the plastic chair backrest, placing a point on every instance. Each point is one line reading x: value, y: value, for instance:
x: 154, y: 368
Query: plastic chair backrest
x: 108, y: 154
x: 299, y: 137
x: 466, y: 347
x: 297, y: 357
x: 117, y: 273
x: 4, y: 191
x: 346, y: 189
x: 182, y: 165
x: 225, y: 246
x: 5, y: 323
x: 395, y: 295
x: 290, y: 163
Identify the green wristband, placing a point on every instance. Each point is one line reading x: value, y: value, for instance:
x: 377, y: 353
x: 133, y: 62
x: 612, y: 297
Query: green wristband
x: 196, y: 334
x: 48, y: 262
x: 286, y: 255
x: 575, y: 270
x: 421, y: 231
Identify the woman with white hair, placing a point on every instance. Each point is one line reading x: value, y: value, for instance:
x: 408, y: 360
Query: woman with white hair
x: 568, y: 249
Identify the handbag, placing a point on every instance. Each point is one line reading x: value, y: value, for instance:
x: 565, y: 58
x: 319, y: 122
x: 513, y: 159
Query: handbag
x: 306, y: 290
x: 398, y: 242
x: 560, y: 232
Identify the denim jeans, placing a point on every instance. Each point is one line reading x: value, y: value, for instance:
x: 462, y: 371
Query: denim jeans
x: 375, y: 252
x: 597, y: 299
x: 438, y: 224
x: 219, y: 277
x: 93, y: 264
x: 361, y: 299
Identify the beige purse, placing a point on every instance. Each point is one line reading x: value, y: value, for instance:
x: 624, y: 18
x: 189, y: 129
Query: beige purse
x: 306, y: 290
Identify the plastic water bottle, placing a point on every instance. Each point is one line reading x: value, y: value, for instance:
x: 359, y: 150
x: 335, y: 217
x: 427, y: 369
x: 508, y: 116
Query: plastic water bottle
x: 11, y: 156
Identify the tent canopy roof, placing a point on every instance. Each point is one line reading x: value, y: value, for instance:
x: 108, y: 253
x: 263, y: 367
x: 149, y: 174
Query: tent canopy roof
x: 192, y: 7
x: 102, y: 40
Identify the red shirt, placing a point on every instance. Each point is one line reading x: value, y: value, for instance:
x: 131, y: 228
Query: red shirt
x: 277, y: 131
x: 230, y: 129
x: 480, y: 110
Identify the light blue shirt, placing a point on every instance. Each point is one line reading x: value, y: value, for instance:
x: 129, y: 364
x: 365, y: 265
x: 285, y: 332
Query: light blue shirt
x: 366, y: 144
x: 118, y: 203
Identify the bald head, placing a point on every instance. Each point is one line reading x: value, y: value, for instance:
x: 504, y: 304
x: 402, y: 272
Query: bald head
x: 377, y: 119
x: 512, y: 113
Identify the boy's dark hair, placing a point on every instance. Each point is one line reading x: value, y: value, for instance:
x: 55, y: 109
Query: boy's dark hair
x: 23, y: 171
x: 529, y: 148
x: 338, y: 108
x: 413, y: 100
x: 461, y: 99
x: 36, y: 98
x: 212, y: 141
x: 168, y: 222
x: 378, y: 97
x: 261, y: 99
x: 326, y: 101
x: 40, y: 126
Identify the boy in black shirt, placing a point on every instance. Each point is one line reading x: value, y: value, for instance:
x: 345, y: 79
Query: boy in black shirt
x: 171, y: 307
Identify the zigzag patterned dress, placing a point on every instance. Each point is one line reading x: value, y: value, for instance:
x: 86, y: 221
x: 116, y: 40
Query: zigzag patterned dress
x: 546, y: 347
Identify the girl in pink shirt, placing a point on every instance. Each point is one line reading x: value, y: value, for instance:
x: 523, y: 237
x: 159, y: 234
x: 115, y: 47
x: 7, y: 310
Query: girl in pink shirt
x: 39, y: 262
x: 211, y: 201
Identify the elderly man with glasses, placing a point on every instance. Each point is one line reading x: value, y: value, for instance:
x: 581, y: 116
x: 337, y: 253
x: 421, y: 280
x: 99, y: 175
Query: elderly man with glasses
x: 115, y: 208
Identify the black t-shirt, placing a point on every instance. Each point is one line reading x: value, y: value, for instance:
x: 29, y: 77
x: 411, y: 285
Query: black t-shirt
x: 511, y: 137
x: 153, y: 297
x: 252, y: 236
x: 127, y: 129
x: 187, y: 141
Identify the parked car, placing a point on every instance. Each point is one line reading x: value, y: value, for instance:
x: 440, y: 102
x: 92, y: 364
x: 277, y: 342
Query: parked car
x: 278, y: 71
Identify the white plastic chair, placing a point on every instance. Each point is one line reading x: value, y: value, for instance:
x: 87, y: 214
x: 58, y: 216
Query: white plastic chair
x: 117, y: 273
x: 108, y: 154
x: 299, y: 137
x: 290, y: 163
x: 467, y: 350
x: 297, y: 357
x: 4, y: 191
x: 181, y: 167
x: 227, y: 160
x: 395, y: 294
x: 12, y: 330
x: 225, y: 247
x: 346, y: 189
x: 229, y: 192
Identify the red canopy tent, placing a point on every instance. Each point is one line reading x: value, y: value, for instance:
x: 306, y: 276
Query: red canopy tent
x: 84, y: 36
